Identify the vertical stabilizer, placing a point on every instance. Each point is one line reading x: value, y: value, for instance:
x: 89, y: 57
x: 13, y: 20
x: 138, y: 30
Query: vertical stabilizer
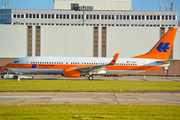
x: 163, y: 48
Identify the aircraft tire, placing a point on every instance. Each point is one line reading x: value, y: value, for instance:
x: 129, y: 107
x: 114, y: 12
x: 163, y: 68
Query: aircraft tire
x: 15, y: 77
x: 90, y: 77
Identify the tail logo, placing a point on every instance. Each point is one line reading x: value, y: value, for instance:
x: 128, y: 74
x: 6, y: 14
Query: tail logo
x: 163, y: 47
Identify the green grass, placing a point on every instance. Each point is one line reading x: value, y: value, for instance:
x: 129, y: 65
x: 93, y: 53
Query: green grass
x: 85, y: 85
x: 39, y: 112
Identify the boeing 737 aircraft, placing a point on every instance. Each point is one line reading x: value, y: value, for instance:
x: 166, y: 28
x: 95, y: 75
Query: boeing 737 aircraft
x: 156, y: 58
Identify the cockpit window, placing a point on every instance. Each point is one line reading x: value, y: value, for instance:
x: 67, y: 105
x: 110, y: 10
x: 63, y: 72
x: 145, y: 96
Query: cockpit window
x: 16, y: 61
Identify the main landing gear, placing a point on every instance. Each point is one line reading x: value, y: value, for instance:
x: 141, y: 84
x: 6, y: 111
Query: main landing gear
x: 90, y: 77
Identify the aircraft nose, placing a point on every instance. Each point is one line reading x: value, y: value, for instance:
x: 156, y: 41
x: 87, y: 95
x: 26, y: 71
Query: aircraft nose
x: 8, y: 65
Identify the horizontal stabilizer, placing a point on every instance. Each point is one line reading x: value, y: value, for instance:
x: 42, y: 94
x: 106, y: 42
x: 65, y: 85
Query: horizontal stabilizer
x: 167, y: 61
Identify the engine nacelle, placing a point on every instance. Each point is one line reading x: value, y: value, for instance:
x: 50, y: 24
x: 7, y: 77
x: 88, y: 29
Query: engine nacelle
x: 72, y: 73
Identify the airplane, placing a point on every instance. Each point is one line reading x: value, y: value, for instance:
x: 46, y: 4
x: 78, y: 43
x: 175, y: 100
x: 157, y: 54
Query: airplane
x: 156, y: 58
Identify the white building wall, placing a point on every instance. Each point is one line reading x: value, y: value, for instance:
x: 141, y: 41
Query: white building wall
x: 13, y: 41
x: 176, y: 48
x: 78, y: 41
x: 66, y: 41
x: 131, y: 41
x: 97, y: 4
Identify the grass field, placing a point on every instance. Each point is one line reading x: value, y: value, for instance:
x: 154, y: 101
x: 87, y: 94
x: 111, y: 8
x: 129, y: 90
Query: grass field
x: 85, y: 85
x: 86, y: 112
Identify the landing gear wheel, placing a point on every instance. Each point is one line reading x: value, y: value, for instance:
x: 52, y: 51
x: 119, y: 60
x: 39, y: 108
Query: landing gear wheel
x: 15, y: 77
x: 90, y: 77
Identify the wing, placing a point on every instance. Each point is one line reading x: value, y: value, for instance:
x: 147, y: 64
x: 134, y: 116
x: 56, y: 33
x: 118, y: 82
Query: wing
x: 93, y: 68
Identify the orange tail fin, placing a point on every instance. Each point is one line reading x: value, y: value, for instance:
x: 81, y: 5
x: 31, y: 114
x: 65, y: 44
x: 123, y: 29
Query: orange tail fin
x: 163, y: 48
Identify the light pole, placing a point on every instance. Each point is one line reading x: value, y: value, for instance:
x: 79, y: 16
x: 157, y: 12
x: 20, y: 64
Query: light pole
x: 84, y: 8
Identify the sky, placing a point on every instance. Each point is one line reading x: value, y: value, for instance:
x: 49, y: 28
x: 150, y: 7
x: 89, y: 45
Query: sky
x: 137, y: 5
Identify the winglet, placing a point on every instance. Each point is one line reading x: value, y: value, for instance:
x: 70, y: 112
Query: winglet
x: 114, y: 59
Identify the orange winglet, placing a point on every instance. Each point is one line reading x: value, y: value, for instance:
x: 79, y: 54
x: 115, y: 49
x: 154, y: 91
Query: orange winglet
x: 163, y: 48
x: 114, y: 59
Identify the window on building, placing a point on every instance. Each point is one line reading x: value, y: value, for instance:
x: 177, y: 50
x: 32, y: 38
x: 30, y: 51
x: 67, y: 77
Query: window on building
x: 127, y: 17
x: 154, y: 17
x: 41, y: 15
x: 52, y: 16
x: 135, y: 17
x: 45, y: 16
x: 105, y: 16
x: 14, y: 16
x: 75, y: 16
x: 79, y: 16
x: 49, y: 16
x: 57, y: 16
x: 22, y: 16
x: 90, y: 16
x: 139, y: 17
x: 166, y: 17
x: 72, y: 16
x: 150, y: 17
x: 18, y: 16
x: 109, y: 16
x: 147, y: 17
x: 94, y: 16
x: 30, y: 15
x: 82, y: 17
x: 142, y: 17
x: 102, y: 16
x: 67, y: 16
x: 169, y: 17
x: 97, y: 16
x: 37, y: 15
x: 132, y: 17
x: 34, y: 16
x: 60, y: 16
x: 162, y: 17
x: 113, y: 17
x: 174, y: 17
x: 158, y: 17
x: 26, y: 15
x: 124, y: 17
x: 117, y: 17
x: 120, y: 17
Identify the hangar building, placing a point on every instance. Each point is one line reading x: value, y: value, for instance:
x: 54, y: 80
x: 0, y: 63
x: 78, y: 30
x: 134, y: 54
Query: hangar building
x: 85, y: 28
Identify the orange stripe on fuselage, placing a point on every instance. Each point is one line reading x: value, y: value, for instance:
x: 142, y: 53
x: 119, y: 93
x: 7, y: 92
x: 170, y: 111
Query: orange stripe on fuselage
x: 65, y: 66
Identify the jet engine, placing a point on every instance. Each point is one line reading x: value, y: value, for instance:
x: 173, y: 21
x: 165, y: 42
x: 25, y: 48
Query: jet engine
x: 71, y: 73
